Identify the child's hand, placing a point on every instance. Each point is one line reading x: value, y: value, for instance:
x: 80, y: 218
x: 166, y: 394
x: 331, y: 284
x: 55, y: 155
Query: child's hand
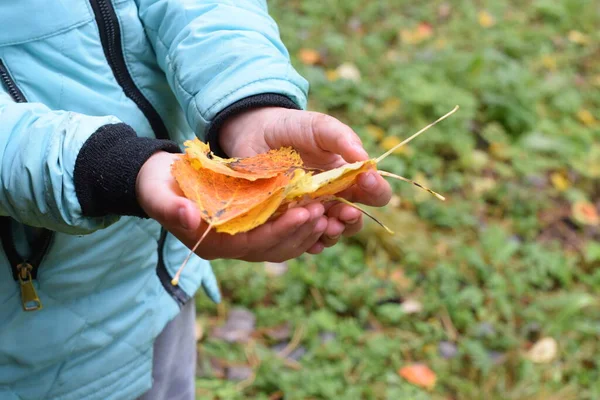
x: 289, y: 236
x: 323, y: 142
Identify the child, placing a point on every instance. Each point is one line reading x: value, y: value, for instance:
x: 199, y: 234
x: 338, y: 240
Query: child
x: 96, y: 97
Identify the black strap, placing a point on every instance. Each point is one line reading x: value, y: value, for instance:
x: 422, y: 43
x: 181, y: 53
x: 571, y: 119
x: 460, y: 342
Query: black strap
x: 176, y: 292
x: 39, y: 248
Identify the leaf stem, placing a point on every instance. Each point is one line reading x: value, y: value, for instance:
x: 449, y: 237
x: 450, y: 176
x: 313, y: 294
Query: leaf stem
x: 390, y: 151
x: 417, y: 184
x: 342, y: 200
x: 175, y: 280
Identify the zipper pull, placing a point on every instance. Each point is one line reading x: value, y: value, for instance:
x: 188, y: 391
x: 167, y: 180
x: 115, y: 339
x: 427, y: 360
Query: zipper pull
x: 29, y: 297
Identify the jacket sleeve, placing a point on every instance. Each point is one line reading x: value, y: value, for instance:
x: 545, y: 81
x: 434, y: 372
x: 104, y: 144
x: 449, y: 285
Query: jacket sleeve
x: 218, y: 52
x: 66, y: 171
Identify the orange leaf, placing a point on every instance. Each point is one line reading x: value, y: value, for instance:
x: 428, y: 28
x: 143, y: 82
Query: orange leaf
x: 485, y: 19
x: 309, y: 56
x: 261, y: 166
x: 221, y: 198
x: 585, y: 213
x: 418, y: 374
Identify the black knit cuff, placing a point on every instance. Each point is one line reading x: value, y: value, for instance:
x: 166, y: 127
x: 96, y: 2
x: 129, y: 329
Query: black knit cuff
x: 248, y: 103
x: 107, y: 167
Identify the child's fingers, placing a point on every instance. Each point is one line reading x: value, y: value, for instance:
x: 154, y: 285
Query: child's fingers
x: 270, y: 234
x: 371, y: 189
x: 316, y: 248
x: 312, y: 238
x: 273, y: 242
x: 345, y: 213
x: 288, y: 247
x: 335, y: 229
x: 349, y: 216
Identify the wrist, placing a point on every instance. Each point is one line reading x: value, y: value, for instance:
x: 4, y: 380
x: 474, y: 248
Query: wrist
x: 107, y: 168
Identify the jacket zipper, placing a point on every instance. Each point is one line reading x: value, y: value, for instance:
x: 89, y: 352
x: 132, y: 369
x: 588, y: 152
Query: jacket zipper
x: 23, y: 270
x: 176, y: 292
x: 110, y: 36
x: 13, y: 91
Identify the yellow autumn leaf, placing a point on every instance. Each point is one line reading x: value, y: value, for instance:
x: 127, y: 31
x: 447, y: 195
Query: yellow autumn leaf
x: 254, y: 217
x: 578, y: 38
x: 586, y: 117
x: 332, y: 75
x: 485, y: 19
x: 549, y: 62
x: 559, y: 181
x: 390, y: 107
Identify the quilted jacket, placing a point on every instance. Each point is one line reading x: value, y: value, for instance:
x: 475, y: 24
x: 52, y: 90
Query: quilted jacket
x: 87, y: 88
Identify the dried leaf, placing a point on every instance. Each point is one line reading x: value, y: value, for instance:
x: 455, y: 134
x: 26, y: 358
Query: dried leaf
x: 266, y: 165
x: 222, y: 198
x: 422, y: 32
x: 549, y: 62
x: 309, y: 56
x: 543, y: 351
x: 586, y: 118
x: 585, y: 213
x: 411, y: 306
x: 418, y: 374
x: 485, y: 19
x: 349, y: 72
x: 560, y: 181
x: 578, y: 38
x: 332, y: 75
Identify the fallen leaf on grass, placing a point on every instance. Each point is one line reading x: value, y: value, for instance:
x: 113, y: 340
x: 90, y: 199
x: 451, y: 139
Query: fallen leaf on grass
x: 422, y: 32
x: 543, y: 351
x: 485, y: 19
x: 585, y: 213
x: 349, y: 72
x: 586, y: 118
x: 578, y: 38
x: 411, y: 306
x: 309, y: 56
x: 419, y: 374
x: 560, y: 181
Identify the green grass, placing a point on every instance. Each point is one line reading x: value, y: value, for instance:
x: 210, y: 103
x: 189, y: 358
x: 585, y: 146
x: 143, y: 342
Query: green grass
x: 499, y: 265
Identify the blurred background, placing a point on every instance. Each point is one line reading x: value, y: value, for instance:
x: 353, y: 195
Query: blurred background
x: 492, y: 294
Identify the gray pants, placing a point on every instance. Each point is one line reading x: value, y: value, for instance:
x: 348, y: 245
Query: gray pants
x: 174, y: 363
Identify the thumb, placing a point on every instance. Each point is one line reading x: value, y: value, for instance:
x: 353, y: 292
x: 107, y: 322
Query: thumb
x: 333, y: 136
x: 174, y: 211
x: 312, y: 131
x: 188, y: 215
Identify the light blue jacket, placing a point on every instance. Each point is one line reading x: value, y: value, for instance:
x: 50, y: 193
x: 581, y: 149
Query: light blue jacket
x: 103, y: 299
